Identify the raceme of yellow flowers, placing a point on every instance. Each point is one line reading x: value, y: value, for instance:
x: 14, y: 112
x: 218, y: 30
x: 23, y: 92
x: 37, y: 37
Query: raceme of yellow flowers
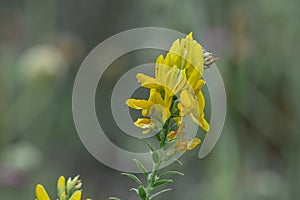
x: 175, y: 91
x: 70, y: 190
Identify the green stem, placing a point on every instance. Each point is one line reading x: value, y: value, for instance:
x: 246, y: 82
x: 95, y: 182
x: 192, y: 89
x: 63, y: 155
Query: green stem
x: 152, y: 179
x: 165, y: 133
x: 153, y: 174
x: 162, y: 139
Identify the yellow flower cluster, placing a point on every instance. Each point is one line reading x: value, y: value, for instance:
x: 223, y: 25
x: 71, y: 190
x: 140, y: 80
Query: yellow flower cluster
x: 70, y: 190
x: 175, y: 91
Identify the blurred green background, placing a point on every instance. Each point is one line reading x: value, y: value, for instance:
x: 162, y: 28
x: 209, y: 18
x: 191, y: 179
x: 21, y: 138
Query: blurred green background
x: 43, y: 42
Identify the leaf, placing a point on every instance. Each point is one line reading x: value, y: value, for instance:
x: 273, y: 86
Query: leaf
x: 162, y: 182
x: 141, y: 167
x: 114, y: 198
x: 155, y: 157
x: 135, y: 190
x: 133, y: 177
x: 142, y: 192
x: 160, y: 192
x: 148, y: 144
x: 170, y: 173
x: 178, y: 161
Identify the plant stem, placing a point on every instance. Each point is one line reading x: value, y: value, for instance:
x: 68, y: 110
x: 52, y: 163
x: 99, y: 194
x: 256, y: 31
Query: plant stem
x: 152, y: 175
x: 151, y: 179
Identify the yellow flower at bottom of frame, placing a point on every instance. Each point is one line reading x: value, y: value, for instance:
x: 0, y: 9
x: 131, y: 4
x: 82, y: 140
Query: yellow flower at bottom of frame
x: 41, y: 193
x: 76, y: 196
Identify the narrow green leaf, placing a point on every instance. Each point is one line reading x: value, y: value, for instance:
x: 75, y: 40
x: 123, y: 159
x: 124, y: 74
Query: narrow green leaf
x: 135, y: 190
x: 141, y: 167
x: 162, y: 182
x: 180, y: 163
x: 133, y: 177
x: 148, y: 144
x: 114, y: 198
x: 160, y: 192
x: 170, y: 173
x: 155, y: 157
x: 142, y: 192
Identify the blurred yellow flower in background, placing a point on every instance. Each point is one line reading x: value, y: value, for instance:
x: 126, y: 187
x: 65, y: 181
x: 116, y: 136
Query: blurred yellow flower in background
x: 70, y: 190
x: 41, y: 193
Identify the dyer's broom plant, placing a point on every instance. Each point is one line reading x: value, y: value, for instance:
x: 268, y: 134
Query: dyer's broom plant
x: 175, y: 92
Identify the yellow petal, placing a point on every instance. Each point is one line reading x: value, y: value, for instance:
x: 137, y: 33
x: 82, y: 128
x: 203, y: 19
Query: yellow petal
x: 197, y: 114
x: 143, y: 78
x: 193, y: 143
x: 171, y: 135
x: 193, y: 78
x: 200, y: 121
x: 178, y: 120
x: 152, y: 84
x: 61, y: 185
x: 160, y: 68
x: 146, y: 131
x: 76, y: 196
x: 145, y: 112
x: 155, y: 97
x: 148, y: 81
x: 168, y: 60
x: 41, y: 193
x: 143, y: 123
x: 138, y: 103
x: 175, y: 48
x: 201, y: 101
x: 186, y: 100
x: 204, y: 124
x: 63, y: 196
x: 200, y: 83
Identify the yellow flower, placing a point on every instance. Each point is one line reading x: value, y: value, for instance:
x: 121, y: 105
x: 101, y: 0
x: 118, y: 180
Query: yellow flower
x: 178, y: 73
x: 171, y: 135
x: 193, y: 143
x: 41, y: 193
x: 61, y: 187
x: 193, y: 105
x: 144, y: 123
x: 76, y: 196
x: 183, y: 145
x: 154, y: 103
x: 65, y: 191
x: 168, y: 79
x: 187, y: 54
x: 187, y: 145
